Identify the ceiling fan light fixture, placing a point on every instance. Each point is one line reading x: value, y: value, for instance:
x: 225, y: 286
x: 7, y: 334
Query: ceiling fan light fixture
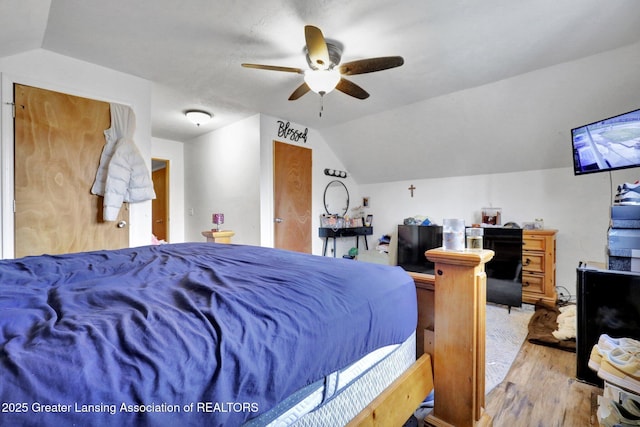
x: 198, y: 117
x: 322, y: 81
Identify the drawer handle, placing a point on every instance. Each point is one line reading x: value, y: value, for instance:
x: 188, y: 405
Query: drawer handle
x: 527, y: 261
x: 525, y: 284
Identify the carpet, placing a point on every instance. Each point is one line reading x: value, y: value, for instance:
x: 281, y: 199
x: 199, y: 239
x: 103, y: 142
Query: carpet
x: 505, y: 333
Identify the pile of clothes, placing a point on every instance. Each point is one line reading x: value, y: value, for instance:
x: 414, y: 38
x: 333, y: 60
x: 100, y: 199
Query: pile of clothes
x: 567, y: 323
x: 418, y: 220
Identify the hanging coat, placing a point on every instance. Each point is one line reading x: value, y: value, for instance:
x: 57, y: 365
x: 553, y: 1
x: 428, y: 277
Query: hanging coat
x: 122, y: 174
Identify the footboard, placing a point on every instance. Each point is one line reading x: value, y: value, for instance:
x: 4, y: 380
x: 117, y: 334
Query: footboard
x: 459, y: 338
x: 458, y: 349
x: 400, y: 400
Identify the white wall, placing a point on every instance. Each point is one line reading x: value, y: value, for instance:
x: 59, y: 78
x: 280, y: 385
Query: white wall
x: 519, y: 123
x: 527, y: 120
x: 222, y: 174
x: 173, y: 151
x: 577, y: 206
x: 56, y: 72
x: 230, y: 170
x: 322, y: 157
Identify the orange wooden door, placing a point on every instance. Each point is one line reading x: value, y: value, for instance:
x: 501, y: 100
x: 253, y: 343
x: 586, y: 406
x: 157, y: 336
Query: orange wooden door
x: 292, y: 197
x: 159, y: 205
x: 58, y: 142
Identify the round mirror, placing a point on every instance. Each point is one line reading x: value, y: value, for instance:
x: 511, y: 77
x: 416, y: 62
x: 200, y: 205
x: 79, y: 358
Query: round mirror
x: 336, y: 198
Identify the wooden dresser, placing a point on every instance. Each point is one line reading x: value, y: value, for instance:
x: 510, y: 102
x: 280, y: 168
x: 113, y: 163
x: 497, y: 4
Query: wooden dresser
x: 539, y: 267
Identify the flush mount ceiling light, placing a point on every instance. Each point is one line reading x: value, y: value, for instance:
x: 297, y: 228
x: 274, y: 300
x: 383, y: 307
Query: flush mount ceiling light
x: 198, y: 117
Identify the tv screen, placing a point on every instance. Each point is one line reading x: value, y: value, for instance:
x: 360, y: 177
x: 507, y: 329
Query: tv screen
x: 606, y: 145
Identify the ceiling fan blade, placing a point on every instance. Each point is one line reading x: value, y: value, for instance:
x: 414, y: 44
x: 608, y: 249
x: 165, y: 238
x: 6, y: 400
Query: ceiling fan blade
x: 370, y: 65
x: 317, y: 47
x: 351, y: 89
x: 274, y: 68
x: 301, y: 90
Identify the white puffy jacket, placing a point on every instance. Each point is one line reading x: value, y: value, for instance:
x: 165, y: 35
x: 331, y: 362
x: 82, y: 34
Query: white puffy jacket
x: 122, y: 175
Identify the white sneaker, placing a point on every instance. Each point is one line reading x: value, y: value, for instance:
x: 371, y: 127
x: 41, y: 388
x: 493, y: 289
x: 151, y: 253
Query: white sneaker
x: 631, y: 403
x: 635, y: 186
x: 611, y: 414
x: 621, y: 368
x: 606, y: 344
x: 628, y: 197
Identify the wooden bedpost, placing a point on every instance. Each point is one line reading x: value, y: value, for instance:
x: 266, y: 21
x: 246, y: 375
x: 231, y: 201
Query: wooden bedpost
x: 459, y: 350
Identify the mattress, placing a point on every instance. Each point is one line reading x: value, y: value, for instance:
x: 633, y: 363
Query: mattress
x: 189, y: 334
x: 322, y: 392
x: 354, y: 398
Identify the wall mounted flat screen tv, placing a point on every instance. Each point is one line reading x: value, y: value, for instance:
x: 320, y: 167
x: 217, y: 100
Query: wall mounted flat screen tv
x: 606, y: 145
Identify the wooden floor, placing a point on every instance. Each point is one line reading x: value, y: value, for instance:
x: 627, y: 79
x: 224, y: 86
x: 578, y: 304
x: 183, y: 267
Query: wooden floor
x: 541, y: 390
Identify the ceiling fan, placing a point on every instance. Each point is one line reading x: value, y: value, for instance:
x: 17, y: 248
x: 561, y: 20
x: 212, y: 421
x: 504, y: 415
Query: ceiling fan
x: 325, y: 72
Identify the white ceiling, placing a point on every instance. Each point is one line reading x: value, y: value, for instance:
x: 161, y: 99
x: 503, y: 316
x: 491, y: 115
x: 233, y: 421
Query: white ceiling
x: 192, y: 50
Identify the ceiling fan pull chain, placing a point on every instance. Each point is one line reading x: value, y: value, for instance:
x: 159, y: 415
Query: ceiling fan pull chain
x: 321, y: 103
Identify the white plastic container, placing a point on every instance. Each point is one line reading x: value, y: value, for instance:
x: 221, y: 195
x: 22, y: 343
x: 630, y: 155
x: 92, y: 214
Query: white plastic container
x: 453, y: 234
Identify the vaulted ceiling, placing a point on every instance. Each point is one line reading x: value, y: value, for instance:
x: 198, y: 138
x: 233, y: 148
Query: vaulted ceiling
x: 192, y: 50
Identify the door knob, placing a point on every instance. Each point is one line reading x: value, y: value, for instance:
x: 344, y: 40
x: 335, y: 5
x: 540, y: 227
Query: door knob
x: 122, y: 224
x: 278, y: 220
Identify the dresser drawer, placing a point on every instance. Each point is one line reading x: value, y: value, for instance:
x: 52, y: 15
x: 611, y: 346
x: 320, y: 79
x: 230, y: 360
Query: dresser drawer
x: 532, y: 283
x: 533, y: 262
x: 534, y: 243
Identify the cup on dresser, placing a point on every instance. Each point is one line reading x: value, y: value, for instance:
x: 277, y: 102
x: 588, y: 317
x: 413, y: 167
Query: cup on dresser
x: 453, y: 234
x: 474, y: 238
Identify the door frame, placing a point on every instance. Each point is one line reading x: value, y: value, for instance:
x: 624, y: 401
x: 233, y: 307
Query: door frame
x: 7, y: 141
x: 167, y: 186
x: 7, y: 167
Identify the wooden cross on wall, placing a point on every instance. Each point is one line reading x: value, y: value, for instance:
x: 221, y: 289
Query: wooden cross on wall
x: 411, y: 189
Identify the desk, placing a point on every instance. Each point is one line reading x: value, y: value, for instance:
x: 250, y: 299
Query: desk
x: 223, y: 236
x: 336, y: 233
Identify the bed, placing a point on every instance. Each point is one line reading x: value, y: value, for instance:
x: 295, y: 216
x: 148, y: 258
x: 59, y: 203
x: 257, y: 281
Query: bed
x: 199, y: 334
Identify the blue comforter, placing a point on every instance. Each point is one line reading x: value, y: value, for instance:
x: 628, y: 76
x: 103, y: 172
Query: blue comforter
x: 184, y: 334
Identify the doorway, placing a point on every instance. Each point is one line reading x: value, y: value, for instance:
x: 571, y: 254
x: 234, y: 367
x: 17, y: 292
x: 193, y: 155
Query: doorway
x: 292, y: 197
x: 160, y: 205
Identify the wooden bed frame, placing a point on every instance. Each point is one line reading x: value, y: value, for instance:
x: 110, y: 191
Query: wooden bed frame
x: 458, y: 310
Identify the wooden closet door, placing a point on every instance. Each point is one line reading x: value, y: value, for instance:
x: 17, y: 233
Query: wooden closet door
x: 58, y: 142
x: 292, y: 197
x: 160, y: 205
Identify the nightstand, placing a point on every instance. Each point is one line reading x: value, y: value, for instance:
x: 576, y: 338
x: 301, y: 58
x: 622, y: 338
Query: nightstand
x: 223, y: 236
